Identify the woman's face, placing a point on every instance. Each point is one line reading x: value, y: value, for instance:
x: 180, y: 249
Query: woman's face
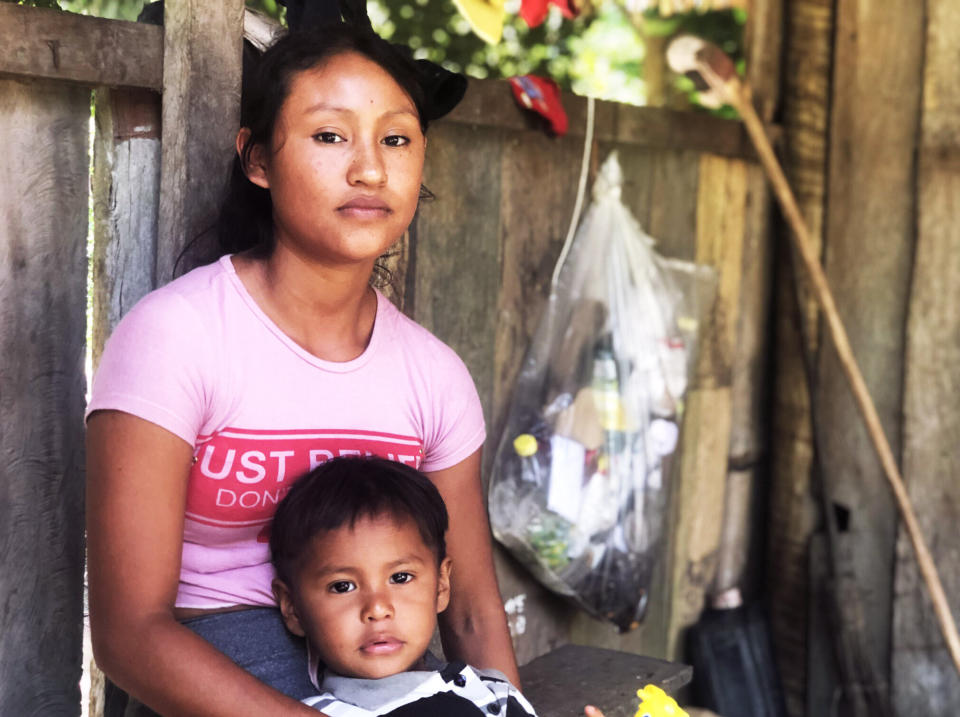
x: 346, y: 162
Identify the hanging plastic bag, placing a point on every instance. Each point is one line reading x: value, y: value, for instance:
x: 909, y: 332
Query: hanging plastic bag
x: 578, y: 488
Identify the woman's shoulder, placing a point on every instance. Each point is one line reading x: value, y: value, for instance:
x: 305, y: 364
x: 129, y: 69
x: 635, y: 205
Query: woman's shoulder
x: 185, y: 300
x: 416, y: 340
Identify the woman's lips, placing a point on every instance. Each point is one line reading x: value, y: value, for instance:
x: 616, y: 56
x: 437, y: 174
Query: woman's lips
x: 364, y: 208
x: 381, y: 646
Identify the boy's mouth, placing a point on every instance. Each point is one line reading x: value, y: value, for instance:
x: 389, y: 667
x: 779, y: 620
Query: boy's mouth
x: 381, y: 645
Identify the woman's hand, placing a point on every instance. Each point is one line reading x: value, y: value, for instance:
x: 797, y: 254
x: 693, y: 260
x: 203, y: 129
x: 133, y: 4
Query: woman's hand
x: 591, y: 711
x: 474, y: 627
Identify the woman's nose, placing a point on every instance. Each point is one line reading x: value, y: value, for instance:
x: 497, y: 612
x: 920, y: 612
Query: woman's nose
x: 377, y: 607
x: 366, y: 166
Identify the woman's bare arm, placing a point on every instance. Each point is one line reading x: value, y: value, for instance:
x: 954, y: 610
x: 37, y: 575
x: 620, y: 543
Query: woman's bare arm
x: 474, y: 626
x: 136, y: 493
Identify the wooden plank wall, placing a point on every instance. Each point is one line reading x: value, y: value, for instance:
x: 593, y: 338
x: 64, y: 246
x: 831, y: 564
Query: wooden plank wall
x: 43, y: 229
x: 891, y: 251
x: 868, y: 257
x: 924, y: 679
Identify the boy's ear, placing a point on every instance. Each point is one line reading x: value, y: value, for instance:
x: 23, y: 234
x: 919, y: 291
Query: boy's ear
x: 255, y: 166
x: 443, y: 584
x: 281, y: 592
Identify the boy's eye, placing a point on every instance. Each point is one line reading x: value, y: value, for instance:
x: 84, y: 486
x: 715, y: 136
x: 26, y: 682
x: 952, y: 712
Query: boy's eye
x: 342, y: 586
x: 396, y: 140
x: 400, y: 578
x: 328, y: 137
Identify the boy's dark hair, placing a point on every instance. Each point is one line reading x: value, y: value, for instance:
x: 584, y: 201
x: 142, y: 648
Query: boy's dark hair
x: 344, y: 490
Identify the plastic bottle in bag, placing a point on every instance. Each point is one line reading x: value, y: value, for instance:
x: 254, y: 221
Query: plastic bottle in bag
x: 526, y: 447
x: 605, y: 383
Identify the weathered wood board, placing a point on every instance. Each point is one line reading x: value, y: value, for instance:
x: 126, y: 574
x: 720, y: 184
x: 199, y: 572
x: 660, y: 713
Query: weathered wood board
x: 457, y: 247
x: 43, y: 229
x: 704, y: 452
x: 869, y: 252
x: 201, y: 115
x: 792, y: 512
x: 650, y: 127
x: 126, y: 190
x: 42, y: 43
x: 924, y: 678
x: 763, y: 45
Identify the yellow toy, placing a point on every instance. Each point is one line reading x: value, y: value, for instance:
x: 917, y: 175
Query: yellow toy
x: 654, y: 702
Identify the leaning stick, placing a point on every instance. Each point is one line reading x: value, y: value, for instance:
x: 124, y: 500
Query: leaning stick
x: 688, y: 54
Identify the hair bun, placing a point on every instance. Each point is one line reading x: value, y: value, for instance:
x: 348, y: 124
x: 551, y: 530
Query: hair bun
x: 443, y: 89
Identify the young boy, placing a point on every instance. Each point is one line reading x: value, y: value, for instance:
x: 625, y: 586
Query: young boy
x: 359, y: 549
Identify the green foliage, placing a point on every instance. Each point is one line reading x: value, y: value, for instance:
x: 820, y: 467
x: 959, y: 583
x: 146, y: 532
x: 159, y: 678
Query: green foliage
x: 50, y: 4
x: 600, y: 53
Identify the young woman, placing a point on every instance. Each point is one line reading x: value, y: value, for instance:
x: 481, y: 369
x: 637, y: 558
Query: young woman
x: 221, y: 388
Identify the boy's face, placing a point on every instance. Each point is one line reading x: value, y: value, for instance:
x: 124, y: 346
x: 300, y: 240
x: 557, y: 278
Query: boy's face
x: 367, y: 597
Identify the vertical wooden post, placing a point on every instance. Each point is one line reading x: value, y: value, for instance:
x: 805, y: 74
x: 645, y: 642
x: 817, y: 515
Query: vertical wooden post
x: 126, y: 190
x: 738, y: 562
x: 869, y: 242
x: 792, y: 514
x: 43, y: 229
x: 924, y: 680
x: 702, y: 474
x: 201, y: 115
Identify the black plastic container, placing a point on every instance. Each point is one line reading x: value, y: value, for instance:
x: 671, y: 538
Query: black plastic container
x: 734, y: 673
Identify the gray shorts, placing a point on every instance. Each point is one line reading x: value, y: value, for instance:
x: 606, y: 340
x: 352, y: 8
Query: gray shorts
x: 255, y: 639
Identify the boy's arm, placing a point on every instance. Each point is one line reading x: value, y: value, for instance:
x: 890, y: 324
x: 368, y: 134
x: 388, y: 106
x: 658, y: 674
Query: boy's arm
x: 474, y: 627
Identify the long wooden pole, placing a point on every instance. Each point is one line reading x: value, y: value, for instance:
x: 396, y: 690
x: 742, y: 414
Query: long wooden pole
x: 738, y: 94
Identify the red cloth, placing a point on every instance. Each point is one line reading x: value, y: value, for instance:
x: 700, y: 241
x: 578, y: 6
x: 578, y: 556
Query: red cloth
x: 543, y: 97
x: 534, y: 12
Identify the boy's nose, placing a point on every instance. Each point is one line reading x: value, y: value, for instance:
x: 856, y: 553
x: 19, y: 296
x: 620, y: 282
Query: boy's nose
x: 378, y: 607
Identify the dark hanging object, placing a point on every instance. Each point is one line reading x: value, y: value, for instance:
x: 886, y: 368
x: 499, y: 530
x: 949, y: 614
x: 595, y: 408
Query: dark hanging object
x: 309, y: 13
x: 442, y: 89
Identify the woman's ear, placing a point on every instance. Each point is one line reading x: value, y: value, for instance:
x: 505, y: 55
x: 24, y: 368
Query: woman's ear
x: 284, y: 600
x: 255, y: 167
x: 443, y: 585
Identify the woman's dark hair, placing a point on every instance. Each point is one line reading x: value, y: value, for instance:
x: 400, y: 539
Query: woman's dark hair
x: 344, y: 490
x: 246, y: 215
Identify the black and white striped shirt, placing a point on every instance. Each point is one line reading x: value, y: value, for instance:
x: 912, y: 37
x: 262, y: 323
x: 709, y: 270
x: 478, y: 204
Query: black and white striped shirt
x: 454, y: 690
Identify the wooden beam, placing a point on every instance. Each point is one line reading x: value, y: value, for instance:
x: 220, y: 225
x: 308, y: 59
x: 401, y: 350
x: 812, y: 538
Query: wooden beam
x: 792, y: 513
x: 652, y: 127
x: 201, y: 116
x: 695, y: 532
x: 763, y: 43
x: 47, y: 44
x: 126, y: 189
x: 931, y: 417
x: 43, y: 229
x: 870, y: 241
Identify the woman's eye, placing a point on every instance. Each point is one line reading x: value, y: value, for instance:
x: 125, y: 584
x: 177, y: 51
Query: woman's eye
x: 341, y: 586
x: 401, y: 578
x: 396, y: 140
x: 328, y: 137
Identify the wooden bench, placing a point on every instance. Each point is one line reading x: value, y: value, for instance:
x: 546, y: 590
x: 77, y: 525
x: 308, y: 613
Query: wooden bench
x: 561, y: 682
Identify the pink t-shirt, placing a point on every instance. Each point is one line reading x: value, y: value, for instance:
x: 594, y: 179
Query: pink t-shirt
x: 199, y: 358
